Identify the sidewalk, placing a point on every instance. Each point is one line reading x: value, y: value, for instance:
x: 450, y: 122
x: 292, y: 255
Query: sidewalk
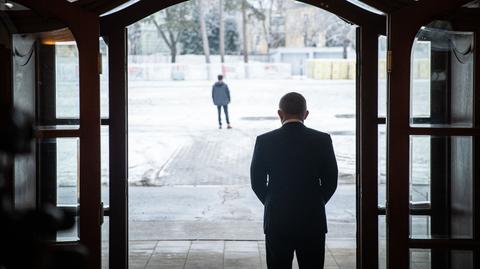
x: 222, y: 254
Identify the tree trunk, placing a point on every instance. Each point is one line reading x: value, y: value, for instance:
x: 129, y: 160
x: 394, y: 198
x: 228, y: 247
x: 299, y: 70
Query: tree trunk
x: 244, y: 30
x: 345, y: 47
x: 203, y: 30
x: 222, y: 34
x: 173, y: 53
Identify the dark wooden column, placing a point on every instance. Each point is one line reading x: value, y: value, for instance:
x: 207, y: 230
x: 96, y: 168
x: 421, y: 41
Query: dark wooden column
x: 398, y: 100
x: 367, y: 147
x: 5, y: 76
x: 46, y: 115
x: 476, y: 145
x: 6, y: 102
x: 90, y: 187
x: 118, y: 140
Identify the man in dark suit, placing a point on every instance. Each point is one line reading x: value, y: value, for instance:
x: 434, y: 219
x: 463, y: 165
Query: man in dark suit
x: 294, y: 174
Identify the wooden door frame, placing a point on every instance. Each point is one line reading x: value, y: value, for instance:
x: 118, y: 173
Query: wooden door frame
x: 113, y: 28
x: 85, y: 27
x: 401, y: 34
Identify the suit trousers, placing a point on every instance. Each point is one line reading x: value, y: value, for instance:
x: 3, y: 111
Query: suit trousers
x: 310, y: 251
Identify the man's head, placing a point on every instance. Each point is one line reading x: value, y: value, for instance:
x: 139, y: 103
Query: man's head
x: 220, y: 77
x: 292, y: 106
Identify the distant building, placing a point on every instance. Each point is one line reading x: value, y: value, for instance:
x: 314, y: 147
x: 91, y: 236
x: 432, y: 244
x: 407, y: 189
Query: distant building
x: 298, y: 57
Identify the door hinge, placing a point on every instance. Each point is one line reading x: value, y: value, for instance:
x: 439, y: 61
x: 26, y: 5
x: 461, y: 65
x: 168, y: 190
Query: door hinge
x: 389, y: 61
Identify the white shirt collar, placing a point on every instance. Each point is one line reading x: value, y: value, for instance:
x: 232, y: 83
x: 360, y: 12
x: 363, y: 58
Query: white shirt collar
x: 292, y: 120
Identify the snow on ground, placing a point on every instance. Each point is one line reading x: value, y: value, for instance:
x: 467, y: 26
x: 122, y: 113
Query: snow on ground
x: 182, y: 168
x: 169, y: 121
x: 204, y: 172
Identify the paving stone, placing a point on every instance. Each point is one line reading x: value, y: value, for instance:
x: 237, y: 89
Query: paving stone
x: 242, y: 255
x: 219, y: 255
x: 205, y: 254
x: 168, y: 261
x: 172, y: 247
x: 138, y: 261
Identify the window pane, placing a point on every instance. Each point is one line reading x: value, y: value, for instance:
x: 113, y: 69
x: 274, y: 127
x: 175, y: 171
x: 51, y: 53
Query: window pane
x: 104, y: 79
x: 67, y: 80
x: 420, y: 75
x: 461, y: 259
x: 441, y: 258
x: 420, y: 169
x: 382, y: 242
x: 442, y: 77
x: 420, y: 227
x: 382, y: 76
x: 382, y: 165
x: 59, y: 178
x: 67, y: 171
x: 105, y: 164
x: 441, y: 186
x: 420, y: 259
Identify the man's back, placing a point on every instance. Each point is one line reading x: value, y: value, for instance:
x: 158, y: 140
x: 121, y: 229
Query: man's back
x: 220, y: 94
x: 294, y: 174
x: 302, y: 176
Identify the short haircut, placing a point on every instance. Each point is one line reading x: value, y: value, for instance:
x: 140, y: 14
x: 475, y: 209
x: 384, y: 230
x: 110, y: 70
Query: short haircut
x: 293, y: 103
x: 220, y: 77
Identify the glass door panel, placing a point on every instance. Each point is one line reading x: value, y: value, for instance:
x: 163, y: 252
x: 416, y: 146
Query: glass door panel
x: 441, y: 258
x: 442, y: 151
x: 441, y: 187
x: 67, y: 93
x: 382, y: 165
x: 58, y: 176
x: 382, y: 76
x: 442, y: 72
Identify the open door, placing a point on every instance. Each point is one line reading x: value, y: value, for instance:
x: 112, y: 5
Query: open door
x: 61, y: 170
x: 434, y: 160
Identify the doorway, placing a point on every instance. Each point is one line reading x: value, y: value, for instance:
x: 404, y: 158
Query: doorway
x: 190, y: 200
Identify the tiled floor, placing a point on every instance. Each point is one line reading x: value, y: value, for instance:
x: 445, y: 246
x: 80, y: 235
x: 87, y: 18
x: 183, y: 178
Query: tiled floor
x: 223, y: 254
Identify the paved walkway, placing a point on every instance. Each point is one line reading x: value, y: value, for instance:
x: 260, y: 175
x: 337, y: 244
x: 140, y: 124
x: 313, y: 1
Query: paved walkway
x: 340, y: 254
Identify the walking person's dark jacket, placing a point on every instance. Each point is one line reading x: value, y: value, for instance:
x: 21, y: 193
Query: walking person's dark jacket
x: 220, y: 94
x: 294, y: 174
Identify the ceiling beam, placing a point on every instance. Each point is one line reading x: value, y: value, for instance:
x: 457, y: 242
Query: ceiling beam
x: 145, y: 8
x: 381, y: 5
x: 350, y: 12
x: 134, y: 13
x: 27, y: 21
x: 99, y: 6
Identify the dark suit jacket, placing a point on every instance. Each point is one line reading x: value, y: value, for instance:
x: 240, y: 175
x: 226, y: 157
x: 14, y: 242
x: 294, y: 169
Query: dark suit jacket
x: 294, y: 174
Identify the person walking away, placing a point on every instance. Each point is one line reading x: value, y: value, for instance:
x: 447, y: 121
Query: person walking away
x: 221, y: 98
x: 294, y: 174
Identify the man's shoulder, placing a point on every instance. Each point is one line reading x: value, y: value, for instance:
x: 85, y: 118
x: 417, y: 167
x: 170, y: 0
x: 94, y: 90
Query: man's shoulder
x: 313, y: 133
x: 269, y: 134
x: 317, y: 133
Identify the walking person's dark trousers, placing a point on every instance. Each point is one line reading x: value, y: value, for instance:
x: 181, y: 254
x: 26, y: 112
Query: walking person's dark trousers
x: 225, y: 109
x: 310, y: 251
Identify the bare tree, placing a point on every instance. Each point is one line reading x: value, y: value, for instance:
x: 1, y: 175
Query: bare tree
x: 341, y: 34
x: 310, y: 24
x: 244, y: 31
x: 222, y: 32
x: 134, y: 33
x: 171, y: 23
x: 203, y: 30
x: 272, y: 10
